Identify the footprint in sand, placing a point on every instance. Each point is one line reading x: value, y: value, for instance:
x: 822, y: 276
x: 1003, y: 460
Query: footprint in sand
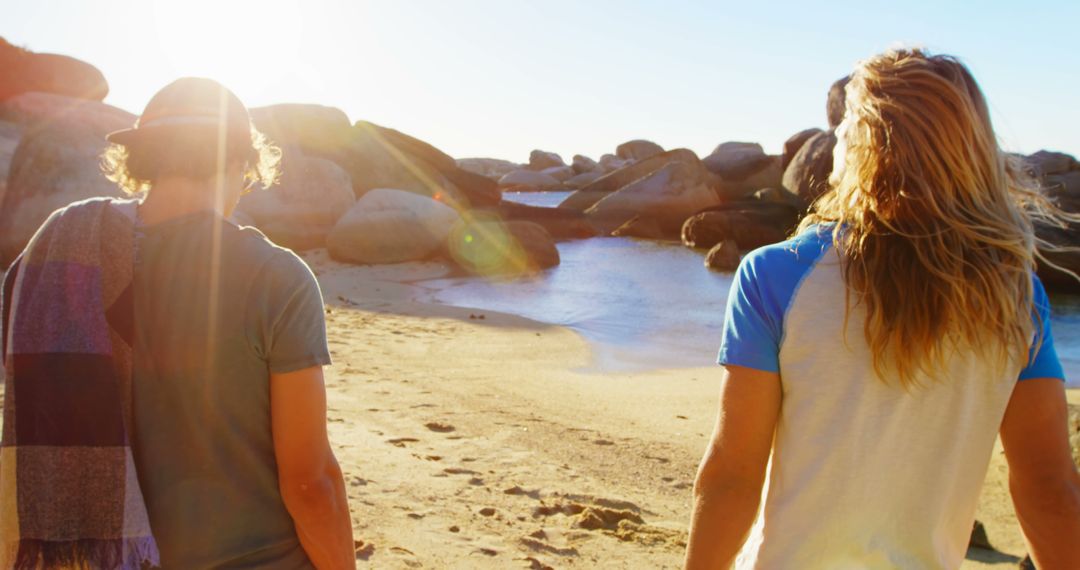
x: 401, y: 441
x: 603, y: 442
x: 363, y: 551
x: 439, y: 427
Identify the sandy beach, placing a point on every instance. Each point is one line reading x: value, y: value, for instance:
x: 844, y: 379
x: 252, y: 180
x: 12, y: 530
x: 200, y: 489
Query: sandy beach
x: 473, y: 439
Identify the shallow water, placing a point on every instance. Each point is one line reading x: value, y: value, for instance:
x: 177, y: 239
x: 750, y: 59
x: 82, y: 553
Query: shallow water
x: 646, y: 304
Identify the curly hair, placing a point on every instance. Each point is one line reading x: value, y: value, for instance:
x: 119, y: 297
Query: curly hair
x: 193, y: 154
x: 934, y: 223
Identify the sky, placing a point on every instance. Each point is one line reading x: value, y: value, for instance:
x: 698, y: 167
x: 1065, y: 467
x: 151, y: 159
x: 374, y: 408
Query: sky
x: 498, y: 78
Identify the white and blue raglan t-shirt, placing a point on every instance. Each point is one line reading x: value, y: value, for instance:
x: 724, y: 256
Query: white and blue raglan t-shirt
x: 864, y: 474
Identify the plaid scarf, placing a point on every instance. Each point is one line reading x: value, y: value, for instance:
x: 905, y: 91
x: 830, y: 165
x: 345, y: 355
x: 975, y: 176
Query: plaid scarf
x: 69, y: 495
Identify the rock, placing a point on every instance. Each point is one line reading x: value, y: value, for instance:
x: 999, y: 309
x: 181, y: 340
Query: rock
x: 492, y: 168
x: 582, y: 164
x: 26, y: 71
x: 301, y: 209
x: 642, y: 228
x: 1064, y: 190
x: 779, y: 196
x: 808, y: 174
x: 529, y: 181
x: 794, y: 143
x: 241, y: 219
x: 595, y: 191
x: 318, y: 130
x: 539, y: 160
x: 978, y: 537
x: 484, y: 245
x: 723, y: 257
x: 583, y: 179
x: 736, y: 160
x: 52, y: 167
x: 749, y: 224
x: 41, y: 110
x: 561, y: 223
x: 667, y: 196
x: 1047, y: 162
x: 10, y: 134
x: 638, y: 150
x: 834, y: 107
x: 1052, y: 278
x: 391, y: 226
x: 611, y: 163
x: 560, y: 173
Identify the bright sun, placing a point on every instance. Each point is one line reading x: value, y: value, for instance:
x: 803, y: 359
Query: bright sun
x: 239, y: 42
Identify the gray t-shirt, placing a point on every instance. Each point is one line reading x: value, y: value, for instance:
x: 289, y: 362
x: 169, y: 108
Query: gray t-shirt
x: 217, y: 308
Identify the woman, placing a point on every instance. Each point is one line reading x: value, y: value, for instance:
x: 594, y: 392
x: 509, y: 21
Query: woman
x: 871, y: 360
x: 181, y: 404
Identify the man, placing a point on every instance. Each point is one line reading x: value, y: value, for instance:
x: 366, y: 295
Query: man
x: 228, y: 405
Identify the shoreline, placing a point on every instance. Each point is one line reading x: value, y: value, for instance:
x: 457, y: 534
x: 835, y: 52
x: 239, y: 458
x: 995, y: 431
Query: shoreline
x: 470, y: 443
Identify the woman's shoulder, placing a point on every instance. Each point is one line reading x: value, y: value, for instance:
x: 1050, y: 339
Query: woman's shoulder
x: 795, y: 254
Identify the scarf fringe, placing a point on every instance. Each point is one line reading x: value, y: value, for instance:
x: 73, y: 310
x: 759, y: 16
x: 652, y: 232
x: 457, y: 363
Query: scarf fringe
x: 87, y: 553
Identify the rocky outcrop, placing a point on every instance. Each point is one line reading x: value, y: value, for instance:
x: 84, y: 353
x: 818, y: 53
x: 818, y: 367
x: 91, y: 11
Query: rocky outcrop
x: 834, y: 106
x: 492, y: 168
x: 540, y: 159
x: 317, y: 129
x: 529, y: 181
x: 1059, y: 176
x: 26, y: 71
x: 485, y: 245
x: 601, y: 187
x: 638, y: 150
x: 794, y: 143
x: 743, y: 168
x: 391, y: 226
x: 561, y: 223
x: 52, y: 167
x: 39, y: 110
x: 611, y: 163
x: 300, y: 210
x: 582, y: 180
x: 750, y: 224
x: 582, y: 164
x: 667, y: 196
x: 808, y: 174
x: 724, y: 256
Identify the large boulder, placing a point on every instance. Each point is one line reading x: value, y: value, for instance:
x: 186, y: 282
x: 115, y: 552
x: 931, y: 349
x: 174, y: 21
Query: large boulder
x: 744, y: 169
x: 794, y: 143
x: 638, y: 150
x: 529, y: 181
x: 736, y: 160
x: 26, y: 71
x: 40, y: 110
x: 667, y: 196
x: 611, y: 163
x: 52, y: 167
x: 1052, y: 278
x: 299, y: 211
x: 834, y: 107
x: 540, y: 159
x: 318, y: 130
x: 492, y: 168
x: 750, y: 224
x: 10, y: 134
x: 582, y: 164
x: 561, y: 223
x: 808, y: 174
x: 560, y: 173
x: 391, y: 226
x: 485, y: 245
x: 1047, y: 163
x: 601, y: 187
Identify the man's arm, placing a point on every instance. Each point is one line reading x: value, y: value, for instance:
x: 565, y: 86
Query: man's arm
x: 1043, y: 479
x: 308, y: 474
x: 729, y: 481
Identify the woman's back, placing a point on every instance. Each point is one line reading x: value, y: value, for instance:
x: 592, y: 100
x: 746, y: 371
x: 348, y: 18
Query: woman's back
x: 864, y: 473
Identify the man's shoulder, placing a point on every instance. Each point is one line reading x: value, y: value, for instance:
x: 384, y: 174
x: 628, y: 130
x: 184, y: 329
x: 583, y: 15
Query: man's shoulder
x: 276, y: 263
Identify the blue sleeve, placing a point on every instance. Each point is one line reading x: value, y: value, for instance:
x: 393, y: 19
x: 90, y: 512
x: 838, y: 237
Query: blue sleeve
x: 752, y: 327
x: 764, y: 286
x: 1042, y: 359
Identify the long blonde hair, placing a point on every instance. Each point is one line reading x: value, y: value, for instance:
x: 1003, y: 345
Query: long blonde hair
x: 933, y: 222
